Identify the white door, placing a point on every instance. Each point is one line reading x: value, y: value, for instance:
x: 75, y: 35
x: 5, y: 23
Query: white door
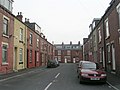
x: 113, y: 57
x: 103, y: 58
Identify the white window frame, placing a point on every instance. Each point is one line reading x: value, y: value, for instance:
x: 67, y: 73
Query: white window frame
x: 30, y: 56
x: 99, y: 34
x: 37, y: 56
x: 59, y: 52
x: 4, y: 50
x: 21, y: 55
x: 5, y: 26
x: 68, y: 52
x: 21, y: 34
x: 118, y: 10
x: 31, y: 37
x: 59, y: 58
x: 107, y: 28
x: 108, y: 53
x: 37, y: 42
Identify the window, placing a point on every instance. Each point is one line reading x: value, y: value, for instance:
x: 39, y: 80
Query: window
x: 37, y: 56
x: 37, y: 42
x: 74, y: 47
x: 107, y: 28
x: 7, y: 4
x: 101, y: 55
x: 67, y: 47
x: 118, y: 10
x: 108, y: 53
x: 21, y: 34
x: 68, y: 52
x: 4, y: 53
x: 99, y: 33
x: 42, y: 45
x: 59, y: 58
x: 59, y: 52
x: 31, y: 38
x: 5, y: 26
x: 59, y: 47
x: 21, y: 55
x: 30, y: 55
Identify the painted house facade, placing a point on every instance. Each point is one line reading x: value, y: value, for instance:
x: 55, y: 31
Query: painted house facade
x: 20, y: 44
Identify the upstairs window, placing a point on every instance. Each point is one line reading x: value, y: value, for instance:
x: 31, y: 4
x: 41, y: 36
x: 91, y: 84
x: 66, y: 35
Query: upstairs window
x: 118, y: 10
x: 7, y: 4
x: 59, y: 52
x: 5, y: 26
x: 107, y: 28
x: 31, y: 37
x: 68, y: 52
x: 37, y: 42
x: 99, y: 33
x: 21, y: 34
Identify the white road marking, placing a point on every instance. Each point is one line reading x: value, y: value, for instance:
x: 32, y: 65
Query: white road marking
x: 57, y: 75
x: 52, y: 82
x: 48, y: 86
x: 110, y: 85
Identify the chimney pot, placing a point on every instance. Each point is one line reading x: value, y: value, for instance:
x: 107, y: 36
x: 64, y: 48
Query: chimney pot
x: 19, y: 16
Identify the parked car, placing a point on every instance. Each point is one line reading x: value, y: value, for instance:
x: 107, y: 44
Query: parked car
x: 90, y: 72
x: 52, y: 63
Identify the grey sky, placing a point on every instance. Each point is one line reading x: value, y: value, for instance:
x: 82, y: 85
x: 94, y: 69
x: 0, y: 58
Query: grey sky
x: 62, y: 20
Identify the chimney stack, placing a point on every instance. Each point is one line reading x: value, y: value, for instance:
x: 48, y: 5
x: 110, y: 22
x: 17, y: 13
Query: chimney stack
x: 27, y: 20
x: 20, y: 16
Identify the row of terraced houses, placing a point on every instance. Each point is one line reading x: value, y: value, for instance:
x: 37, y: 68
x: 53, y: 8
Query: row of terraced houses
x: 22, y: 44
x: 103, y: 42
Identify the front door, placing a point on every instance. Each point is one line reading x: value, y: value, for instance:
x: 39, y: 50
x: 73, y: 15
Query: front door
x: 15, y: 59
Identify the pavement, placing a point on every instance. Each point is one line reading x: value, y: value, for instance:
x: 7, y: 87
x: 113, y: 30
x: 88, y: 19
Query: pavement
x: 20, y: 73
x: 112, y: 80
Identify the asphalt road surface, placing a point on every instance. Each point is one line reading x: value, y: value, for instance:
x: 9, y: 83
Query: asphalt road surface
x: 63, y: 77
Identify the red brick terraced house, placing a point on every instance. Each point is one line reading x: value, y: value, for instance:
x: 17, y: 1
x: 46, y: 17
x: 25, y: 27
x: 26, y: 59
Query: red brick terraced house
x: 68, y: 53
x: 6, y: 37
x: 108, y: 38
x: 33, y: 44
x: 44, y: 50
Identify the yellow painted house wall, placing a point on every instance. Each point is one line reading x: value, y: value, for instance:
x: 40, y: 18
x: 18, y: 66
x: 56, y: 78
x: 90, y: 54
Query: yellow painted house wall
x: 17, y: 64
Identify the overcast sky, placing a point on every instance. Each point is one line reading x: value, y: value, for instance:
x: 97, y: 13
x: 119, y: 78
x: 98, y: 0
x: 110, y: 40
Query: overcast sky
x: 62, y: 20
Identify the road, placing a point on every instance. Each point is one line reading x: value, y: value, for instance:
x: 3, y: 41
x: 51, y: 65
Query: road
x: 63, y: 77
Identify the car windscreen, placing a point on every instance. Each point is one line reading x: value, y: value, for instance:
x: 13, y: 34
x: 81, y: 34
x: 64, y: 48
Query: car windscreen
x: 89, y: 66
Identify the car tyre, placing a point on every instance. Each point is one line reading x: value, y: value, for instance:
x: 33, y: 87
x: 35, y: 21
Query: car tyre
x: 81, y: 82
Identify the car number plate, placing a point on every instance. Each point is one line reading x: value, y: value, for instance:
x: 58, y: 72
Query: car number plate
x: 95, y: 79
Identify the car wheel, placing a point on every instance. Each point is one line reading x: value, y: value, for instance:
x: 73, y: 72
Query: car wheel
x: 81, y: 82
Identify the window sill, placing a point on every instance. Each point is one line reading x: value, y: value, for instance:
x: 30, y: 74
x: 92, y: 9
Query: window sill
x: 99, y: 41
x: 107, y: 37
x: 4, y: 64
x: 30, y: 44
x: 20, y: 41
x: 20, y: 62
x: 6, y: 36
